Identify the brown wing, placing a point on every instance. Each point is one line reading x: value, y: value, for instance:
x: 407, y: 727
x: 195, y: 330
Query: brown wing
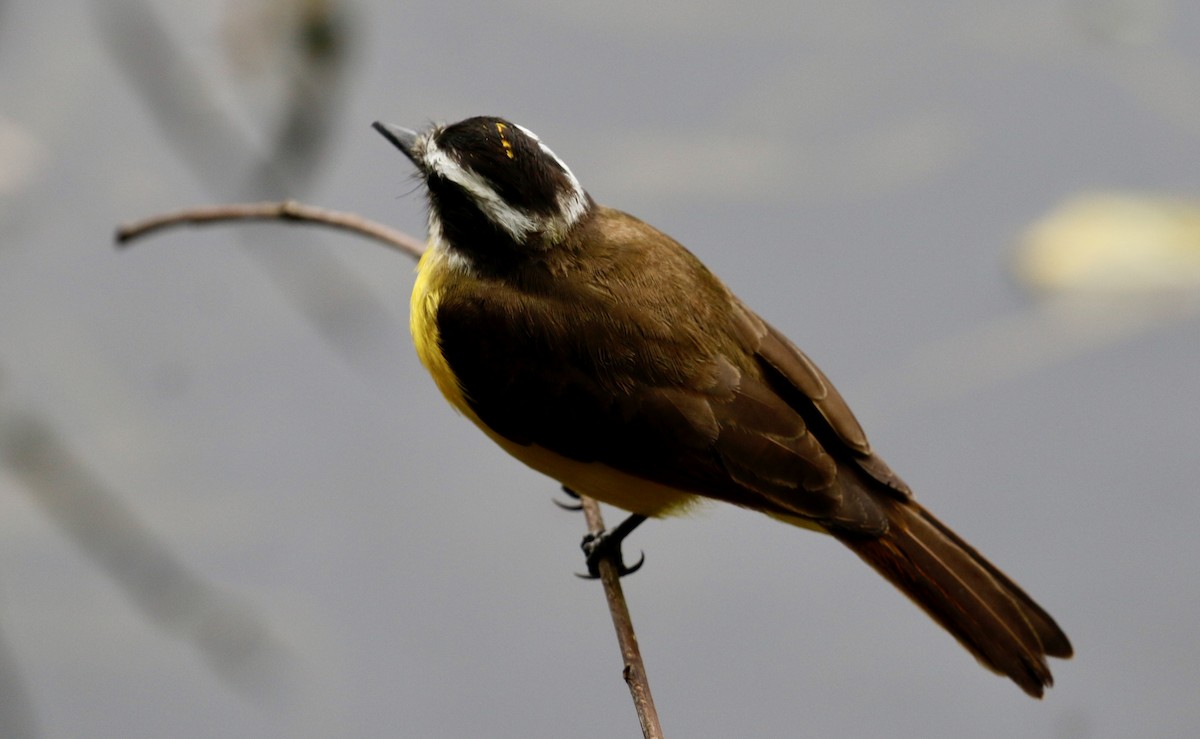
x: 802, y: 385
x: 693, y: 425
x: 686, y: 388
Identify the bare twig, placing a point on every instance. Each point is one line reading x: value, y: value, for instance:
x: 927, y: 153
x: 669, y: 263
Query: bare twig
x: 634, y: 671
x: 287, y: 210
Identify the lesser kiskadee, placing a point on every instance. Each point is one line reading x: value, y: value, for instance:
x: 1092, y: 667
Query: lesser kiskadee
x: 599, y: 351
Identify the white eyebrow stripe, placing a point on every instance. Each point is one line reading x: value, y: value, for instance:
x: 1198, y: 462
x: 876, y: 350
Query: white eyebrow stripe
x: 517, y: 223
x: 572, y: 205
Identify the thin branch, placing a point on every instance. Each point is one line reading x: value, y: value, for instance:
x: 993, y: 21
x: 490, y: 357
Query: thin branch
x: 287, y: 210
x: 635, y: 670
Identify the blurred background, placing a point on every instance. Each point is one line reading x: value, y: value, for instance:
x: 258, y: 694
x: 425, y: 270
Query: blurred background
x: 233, y: 504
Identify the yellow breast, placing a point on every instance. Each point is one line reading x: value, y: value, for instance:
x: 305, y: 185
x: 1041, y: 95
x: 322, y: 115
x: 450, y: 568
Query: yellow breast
x: 432, y: 272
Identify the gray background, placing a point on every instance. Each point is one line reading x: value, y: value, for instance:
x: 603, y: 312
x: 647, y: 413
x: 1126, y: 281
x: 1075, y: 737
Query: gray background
x: 216, y: 522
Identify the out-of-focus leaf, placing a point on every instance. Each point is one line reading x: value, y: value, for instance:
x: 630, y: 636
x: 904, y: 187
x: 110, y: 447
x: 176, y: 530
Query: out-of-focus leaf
x: 1114, y: 243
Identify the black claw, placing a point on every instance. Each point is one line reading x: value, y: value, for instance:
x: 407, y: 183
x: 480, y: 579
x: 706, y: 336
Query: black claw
x: 634, y: 568
x: 568, y: 506
x: 607, y: 545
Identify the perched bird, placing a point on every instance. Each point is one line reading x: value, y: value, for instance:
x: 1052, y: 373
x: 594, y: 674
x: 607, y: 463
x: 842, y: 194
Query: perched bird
x: 599, y: 351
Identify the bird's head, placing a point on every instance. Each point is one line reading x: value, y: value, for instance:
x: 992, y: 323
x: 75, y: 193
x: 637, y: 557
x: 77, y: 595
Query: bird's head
x: 496, y: 192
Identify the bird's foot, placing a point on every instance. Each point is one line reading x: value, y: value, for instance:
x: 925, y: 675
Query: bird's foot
x: 606, y: 545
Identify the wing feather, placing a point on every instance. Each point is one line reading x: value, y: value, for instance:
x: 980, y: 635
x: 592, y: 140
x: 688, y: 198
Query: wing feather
x: 689, y: 389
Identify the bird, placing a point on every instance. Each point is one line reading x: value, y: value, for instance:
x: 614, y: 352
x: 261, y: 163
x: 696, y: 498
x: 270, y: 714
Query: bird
x: 601, y: 352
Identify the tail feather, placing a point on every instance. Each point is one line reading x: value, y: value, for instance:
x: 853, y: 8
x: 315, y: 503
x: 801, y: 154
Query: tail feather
x: 1053, y: 640
x: 988, y: 614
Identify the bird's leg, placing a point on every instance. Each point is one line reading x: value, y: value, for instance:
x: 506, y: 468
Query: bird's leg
x: 607, y: 545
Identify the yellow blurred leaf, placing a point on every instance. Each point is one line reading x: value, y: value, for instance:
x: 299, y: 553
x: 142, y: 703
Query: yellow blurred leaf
x: 1112, y: 242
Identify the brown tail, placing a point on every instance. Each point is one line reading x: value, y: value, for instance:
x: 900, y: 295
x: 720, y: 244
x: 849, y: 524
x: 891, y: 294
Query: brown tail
x: 992, y: 617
